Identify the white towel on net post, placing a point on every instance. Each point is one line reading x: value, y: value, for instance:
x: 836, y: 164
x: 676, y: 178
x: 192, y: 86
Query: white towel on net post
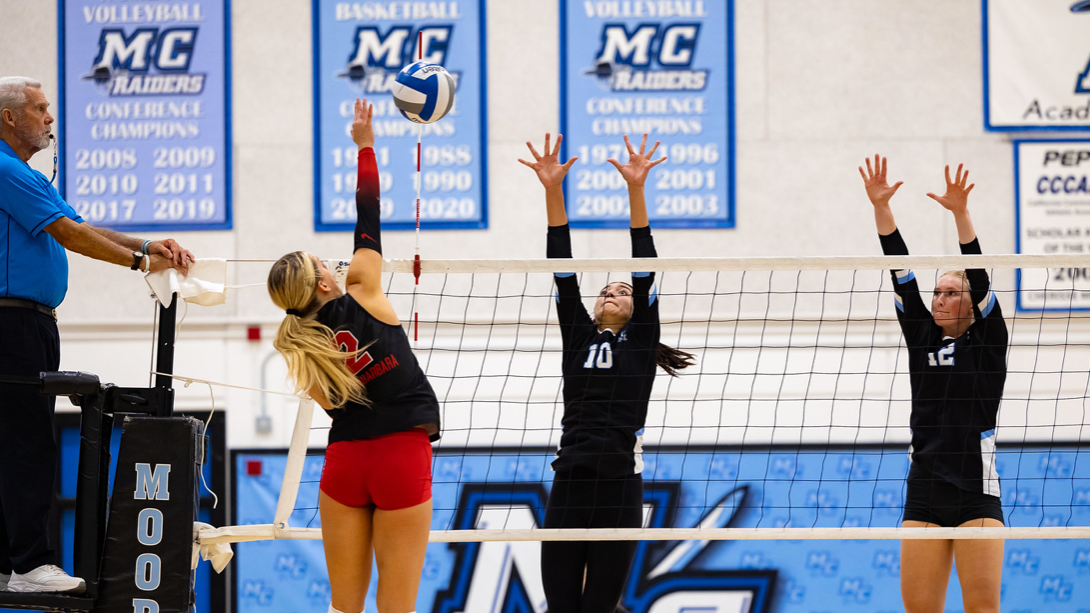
x: 219, y: 554
x: 204, y: 285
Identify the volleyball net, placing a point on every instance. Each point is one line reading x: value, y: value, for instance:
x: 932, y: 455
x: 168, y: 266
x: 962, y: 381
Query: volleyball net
x: 792, y: 424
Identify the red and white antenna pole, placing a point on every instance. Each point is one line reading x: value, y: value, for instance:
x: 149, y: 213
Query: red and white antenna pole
x: 419, y: 180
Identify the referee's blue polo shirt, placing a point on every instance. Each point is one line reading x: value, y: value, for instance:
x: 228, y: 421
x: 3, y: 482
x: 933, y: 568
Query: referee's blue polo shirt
x: 33, y: 265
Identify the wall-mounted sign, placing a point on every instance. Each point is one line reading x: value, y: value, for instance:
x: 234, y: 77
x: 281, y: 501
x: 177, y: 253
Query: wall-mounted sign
x: 1036, y: 65
x: 358, y: 50
x: 145, y: 102
x: 666, y: 69
x: 1052, y: 191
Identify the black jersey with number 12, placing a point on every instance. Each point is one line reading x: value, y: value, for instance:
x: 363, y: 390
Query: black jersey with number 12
x: 957, y: 383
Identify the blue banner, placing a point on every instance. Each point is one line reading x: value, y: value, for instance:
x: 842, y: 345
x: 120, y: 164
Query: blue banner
x: 662, y: 68
x: 358, y: 50
x: 792, y: 487
x: 145, y: 101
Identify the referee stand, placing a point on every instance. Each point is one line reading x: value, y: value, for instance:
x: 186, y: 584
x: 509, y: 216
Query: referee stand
x: 132, y: 550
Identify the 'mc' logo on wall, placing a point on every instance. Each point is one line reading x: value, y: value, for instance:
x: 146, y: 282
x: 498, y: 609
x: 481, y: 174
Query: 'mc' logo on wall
x: 379, y: 53
x: 146, y: 62
x: 650, y: 57
x: 647, y: 56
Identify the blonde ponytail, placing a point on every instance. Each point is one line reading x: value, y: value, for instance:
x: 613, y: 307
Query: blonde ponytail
x: 308, y: 346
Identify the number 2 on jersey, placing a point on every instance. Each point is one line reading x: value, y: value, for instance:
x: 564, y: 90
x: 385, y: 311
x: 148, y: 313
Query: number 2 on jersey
x: 348, y: 343
x: 604, y: 355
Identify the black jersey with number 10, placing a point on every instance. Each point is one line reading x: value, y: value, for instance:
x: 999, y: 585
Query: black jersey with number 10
x: 607, y: 376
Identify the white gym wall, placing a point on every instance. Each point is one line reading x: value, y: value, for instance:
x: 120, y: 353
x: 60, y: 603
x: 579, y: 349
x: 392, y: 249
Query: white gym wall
x: 820, y: 85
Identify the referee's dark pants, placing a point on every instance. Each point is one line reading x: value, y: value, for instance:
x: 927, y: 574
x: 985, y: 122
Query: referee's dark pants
x: 29, y: 344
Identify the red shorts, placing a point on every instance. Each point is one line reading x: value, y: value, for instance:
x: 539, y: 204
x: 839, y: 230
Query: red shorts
x: 389, y: 472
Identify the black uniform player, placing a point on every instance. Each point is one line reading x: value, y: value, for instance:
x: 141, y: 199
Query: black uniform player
x: 957, y: 383
x: 609, y: 366
x: 957, y: 366
x: 607, y: 374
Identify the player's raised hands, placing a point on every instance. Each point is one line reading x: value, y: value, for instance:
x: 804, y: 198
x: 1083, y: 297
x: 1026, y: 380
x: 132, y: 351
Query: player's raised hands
x: 639, y: 163
x: 548, y: 167
x: 874, y: 179
x: 363, y: 134
x: 956, y: 198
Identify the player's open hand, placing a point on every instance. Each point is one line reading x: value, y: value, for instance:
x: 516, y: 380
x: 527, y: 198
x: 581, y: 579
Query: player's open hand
x: 639, y: 163
x: 874, y: 179
x: 549, y: 170
x: 363, y: 134
x: 956, y: 198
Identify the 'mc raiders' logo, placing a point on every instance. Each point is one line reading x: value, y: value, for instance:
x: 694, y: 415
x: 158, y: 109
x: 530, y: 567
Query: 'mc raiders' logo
x: 377, y: 55
x: 500, y: 577
x: 146, y: 62
x: 651, y: 57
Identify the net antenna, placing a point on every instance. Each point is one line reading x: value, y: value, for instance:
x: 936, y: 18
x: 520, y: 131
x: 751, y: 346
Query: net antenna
x: 801, y: 365
x: 419, y: 181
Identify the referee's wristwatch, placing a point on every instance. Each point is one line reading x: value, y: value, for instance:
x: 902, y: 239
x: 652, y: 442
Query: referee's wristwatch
x: 138, y: 260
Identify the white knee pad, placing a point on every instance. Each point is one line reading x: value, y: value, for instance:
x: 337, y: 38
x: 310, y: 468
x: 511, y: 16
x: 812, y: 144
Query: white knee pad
x: 332, y: 610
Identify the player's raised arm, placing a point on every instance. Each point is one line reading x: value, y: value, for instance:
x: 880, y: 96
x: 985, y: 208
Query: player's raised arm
x: 912, y: 313
x: 551, y: 173
x: 879, y: 192
x: 956, y: 200
x: 364, y: 280
x: 635, y: 174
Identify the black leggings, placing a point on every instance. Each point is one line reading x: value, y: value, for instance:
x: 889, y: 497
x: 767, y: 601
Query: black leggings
x: 579, y: 499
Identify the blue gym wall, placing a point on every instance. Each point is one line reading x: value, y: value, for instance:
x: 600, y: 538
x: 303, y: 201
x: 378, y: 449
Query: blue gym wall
x: 759, y: 487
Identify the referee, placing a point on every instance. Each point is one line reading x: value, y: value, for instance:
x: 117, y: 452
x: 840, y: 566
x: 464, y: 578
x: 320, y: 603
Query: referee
x: 36, y: 227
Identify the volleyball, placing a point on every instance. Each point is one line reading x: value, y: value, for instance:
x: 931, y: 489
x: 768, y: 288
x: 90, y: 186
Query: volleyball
x: 423, y: 92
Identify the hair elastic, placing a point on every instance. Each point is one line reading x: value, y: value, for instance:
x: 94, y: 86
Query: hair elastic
x: 293, y: 312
